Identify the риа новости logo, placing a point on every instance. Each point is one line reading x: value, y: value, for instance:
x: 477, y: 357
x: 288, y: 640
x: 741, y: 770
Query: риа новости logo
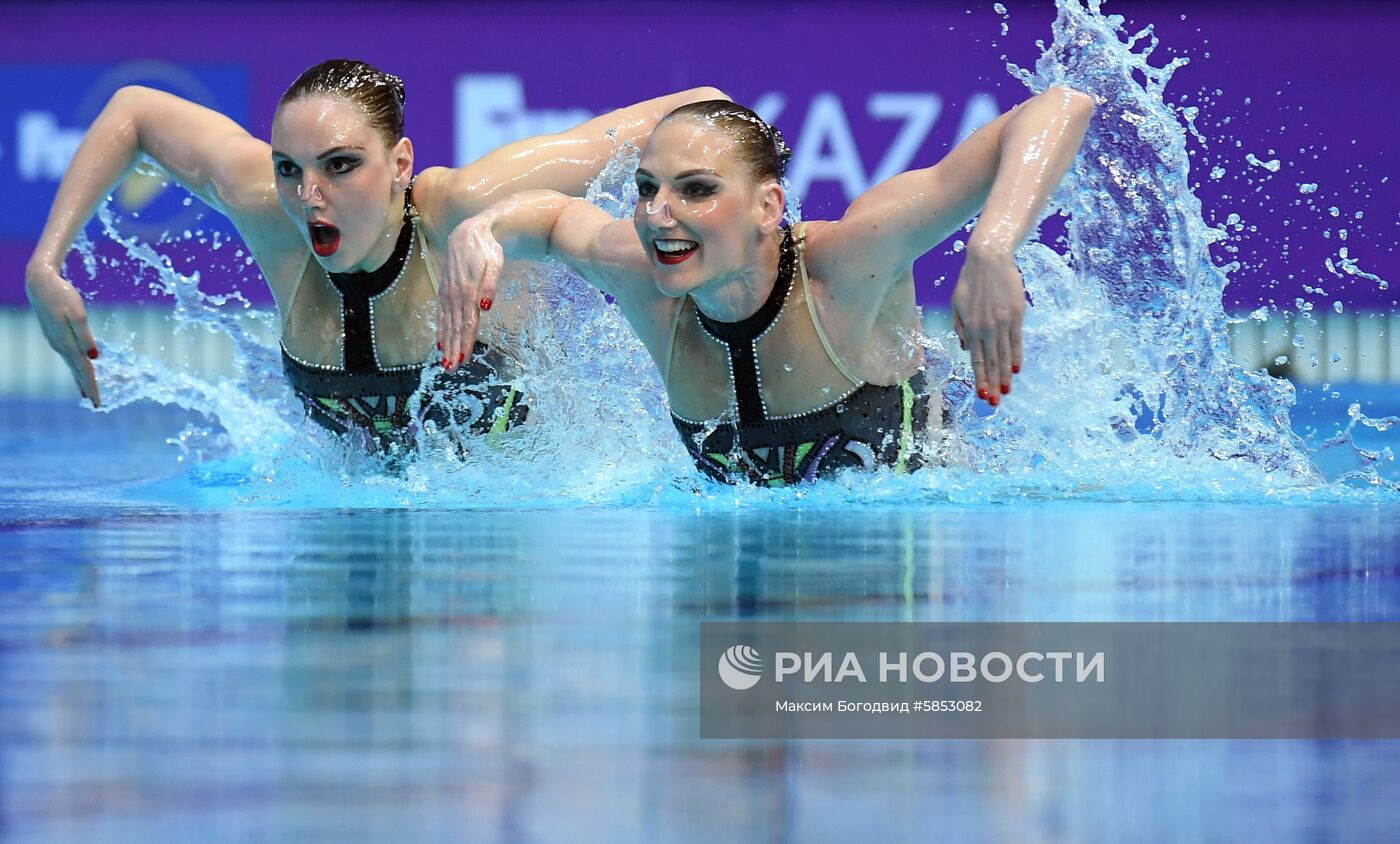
x: 740, y: 667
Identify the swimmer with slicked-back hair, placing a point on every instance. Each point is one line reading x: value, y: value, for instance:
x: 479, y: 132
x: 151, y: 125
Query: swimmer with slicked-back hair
x: 348, y: 235
x: 790, y: 354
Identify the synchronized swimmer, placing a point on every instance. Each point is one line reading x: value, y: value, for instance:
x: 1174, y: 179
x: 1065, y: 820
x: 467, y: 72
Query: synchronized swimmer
x: 348, y: 239
x: 786, y: 354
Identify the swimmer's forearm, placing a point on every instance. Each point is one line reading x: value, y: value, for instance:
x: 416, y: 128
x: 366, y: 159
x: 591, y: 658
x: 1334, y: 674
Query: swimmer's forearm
x: 546, y: 224
x: 564, y: 162
x: 108, y: 151
x: 523, y: 224
x: 1038, y: 145
x: 634, y: 123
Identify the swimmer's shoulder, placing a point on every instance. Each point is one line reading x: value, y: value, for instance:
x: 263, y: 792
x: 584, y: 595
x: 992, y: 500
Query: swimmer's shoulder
x: 838, y: 257
x: 445, y: 196
x: 820, y: 243
x: 246, y: 191
x: 432, y: 189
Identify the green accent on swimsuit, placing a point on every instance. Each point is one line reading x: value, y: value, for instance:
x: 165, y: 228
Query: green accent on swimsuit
x: 906, y: 435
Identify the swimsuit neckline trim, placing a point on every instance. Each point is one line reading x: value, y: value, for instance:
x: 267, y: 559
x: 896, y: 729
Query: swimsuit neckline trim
x: 756, y: 324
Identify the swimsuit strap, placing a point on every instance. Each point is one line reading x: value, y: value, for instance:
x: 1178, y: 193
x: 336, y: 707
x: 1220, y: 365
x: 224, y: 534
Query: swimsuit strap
x: 292, y: 300
x: 411, y: 212
x: 428, y: 261
x: 812, y: 307
x: 741, y: 338
x: 671, y: 343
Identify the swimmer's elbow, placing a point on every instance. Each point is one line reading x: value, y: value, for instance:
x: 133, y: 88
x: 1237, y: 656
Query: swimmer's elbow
x: 134, y: 108
x: 123, y: 106
x: 1078, y: 103
x: 704, y: 93
x: 131, y: 99
x: 122, y: 120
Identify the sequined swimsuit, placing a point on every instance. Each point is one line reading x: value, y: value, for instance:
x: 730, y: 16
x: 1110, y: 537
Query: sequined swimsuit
x: 362, y: 395
x: 864, y: 426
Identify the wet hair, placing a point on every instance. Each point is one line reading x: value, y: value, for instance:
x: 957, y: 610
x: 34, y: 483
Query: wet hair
x: 380, y: 95
x: 759, y: 144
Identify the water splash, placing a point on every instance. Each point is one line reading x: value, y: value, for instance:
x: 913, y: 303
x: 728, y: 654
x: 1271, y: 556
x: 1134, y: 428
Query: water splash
x: 254, y: 408
x: 1130, y: 392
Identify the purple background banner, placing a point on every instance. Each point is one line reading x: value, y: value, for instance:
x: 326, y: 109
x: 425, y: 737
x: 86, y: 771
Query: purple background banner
x: 860, y: 90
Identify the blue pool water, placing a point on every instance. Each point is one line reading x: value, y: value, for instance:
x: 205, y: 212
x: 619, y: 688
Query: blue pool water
x: 177, y: 672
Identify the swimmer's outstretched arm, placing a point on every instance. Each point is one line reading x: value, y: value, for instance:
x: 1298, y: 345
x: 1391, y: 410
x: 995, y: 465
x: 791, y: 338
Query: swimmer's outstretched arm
x: 1008, y: 169
x: 565, y: 162
x: 205, y: 151
x: 532, y: 225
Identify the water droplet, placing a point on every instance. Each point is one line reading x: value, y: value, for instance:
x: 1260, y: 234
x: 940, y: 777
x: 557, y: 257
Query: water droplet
x: 1272, y: 165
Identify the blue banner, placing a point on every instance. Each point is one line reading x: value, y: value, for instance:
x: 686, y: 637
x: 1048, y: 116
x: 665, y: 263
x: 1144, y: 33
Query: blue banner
x: 46, y: 108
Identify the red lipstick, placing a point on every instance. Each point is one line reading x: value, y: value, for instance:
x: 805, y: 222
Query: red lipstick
x: 675, y: 257
x: 325, y: 238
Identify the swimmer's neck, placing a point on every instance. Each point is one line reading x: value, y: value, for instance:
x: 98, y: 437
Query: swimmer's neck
x: 738, y: 295
x: 384, y: 246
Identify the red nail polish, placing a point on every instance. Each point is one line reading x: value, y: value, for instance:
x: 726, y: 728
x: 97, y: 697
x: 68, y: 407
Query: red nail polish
x: 1015, y: 369
x: 486, y: 304
x: 92, y: 353
x: 446, y: 364
x: 439, y: 346
x: 1005, y: 390
x: 982, y: 393
x: 461, y: 357
x: 993, y: 401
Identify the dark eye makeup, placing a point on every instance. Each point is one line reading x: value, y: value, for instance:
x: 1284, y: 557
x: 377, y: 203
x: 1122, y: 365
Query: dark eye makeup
x: 699, y: 190
x: 688, y: 190
x: 342, y: 164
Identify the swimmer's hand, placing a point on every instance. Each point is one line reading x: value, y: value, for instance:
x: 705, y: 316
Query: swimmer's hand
x: 474, y: 262
x: 989, y: 305
x: 59, y: 307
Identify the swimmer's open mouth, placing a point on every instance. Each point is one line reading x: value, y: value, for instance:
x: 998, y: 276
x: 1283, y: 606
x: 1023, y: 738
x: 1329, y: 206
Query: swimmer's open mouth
x: 674, y: 251
x: 325, y: 238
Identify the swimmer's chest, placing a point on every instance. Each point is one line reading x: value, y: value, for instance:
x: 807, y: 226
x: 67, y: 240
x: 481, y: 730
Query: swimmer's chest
x: 402, y: 319
x: 794, y: 373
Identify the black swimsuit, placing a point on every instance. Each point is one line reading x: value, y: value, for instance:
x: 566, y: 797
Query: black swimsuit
x: 869, y: 425
x: 363, y: 396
